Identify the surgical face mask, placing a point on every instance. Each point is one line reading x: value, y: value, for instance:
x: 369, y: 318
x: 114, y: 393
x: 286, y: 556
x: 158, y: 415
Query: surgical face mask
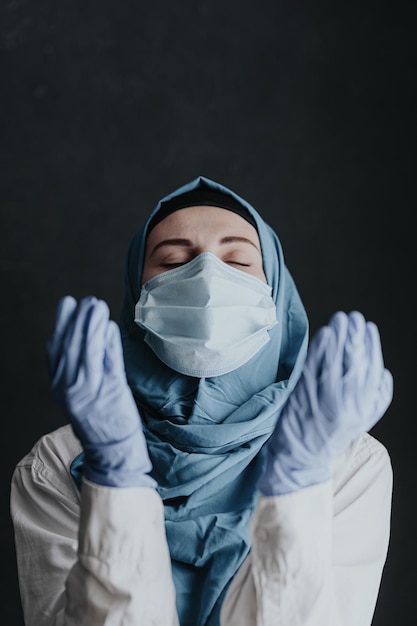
x: 205, y: 318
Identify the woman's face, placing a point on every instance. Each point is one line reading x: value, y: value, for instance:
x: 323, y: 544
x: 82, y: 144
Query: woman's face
x: 188, y: 232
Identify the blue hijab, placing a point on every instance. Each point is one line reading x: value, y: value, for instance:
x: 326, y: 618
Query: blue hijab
x: 206, y: 436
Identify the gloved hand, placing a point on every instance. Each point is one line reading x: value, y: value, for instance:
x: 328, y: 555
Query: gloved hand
x: 343, y: 391
x: 88, y: 381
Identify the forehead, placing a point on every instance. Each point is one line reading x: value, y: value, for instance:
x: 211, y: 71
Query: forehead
x: 202, y: 220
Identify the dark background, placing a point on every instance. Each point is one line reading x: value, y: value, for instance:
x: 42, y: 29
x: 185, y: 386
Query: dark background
x: 304, y: 108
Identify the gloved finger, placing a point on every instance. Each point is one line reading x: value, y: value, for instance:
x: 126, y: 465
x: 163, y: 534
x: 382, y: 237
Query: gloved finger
x: 316, y: 350
x: 74, y: 341
x: 333, y: 361
x: 355, y: 340
x: 113, y: 358
x: 94, y: 344
x: 383, y: 398
x: 375, y: 359
x: 67, y: 356
x: 65, y: 311
x: 354, y: 356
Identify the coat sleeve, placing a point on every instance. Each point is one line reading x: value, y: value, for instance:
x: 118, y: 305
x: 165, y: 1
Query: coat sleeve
x: 318, y: 554
x: 89, y: 560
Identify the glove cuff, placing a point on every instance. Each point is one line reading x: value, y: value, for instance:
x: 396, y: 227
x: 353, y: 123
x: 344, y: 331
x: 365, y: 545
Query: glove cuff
x: 117, y: 478
x: 124, y: 463
x: 279, y: 478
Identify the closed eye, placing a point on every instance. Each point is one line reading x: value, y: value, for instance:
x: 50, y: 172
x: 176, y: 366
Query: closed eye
x: 238, y: 263
x: 172, y: 265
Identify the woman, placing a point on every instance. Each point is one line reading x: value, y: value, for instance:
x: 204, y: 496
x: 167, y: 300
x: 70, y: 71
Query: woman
x: 226, y: 478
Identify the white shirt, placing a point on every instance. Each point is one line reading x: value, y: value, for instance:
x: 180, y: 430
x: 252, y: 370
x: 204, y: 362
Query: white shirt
x: 100, y: 557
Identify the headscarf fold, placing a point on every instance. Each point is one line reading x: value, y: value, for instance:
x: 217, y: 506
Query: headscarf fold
x: 206, y: 436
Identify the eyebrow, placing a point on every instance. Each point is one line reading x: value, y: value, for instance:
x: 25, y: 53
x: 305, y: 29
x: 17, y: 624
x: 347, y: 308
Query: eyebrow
x: 187, y: 243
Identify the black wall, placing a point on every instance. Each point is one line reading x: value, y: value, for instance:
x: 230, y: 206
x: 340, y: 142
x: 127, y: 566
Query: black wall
x: 304, y: 108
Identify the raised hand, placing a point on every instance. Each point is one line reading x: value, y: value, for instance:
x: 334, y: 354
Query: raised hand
x: 88, y: 381
x: 343, y: 391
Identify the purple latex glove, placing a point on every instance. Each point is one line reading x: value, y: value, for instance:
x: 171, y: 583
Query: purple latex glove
x: 88, y: 382
x: 343, y: 391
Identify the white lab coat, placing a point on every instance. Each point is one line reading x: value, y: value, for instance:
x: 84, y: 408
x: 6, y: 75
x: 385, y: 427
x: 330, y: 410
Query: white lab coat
x: 101, y: 557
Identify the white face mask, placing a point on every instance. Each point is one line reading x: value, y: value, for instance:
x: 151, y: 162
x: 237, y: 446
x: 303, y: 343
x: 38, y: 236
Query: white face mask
x: 205, y: 318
